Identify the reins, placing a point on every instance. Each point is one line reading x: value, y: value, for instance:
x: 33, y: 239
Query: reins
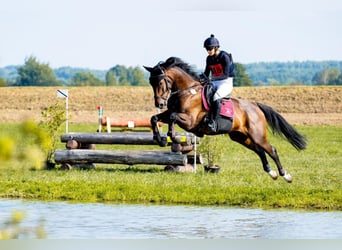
x: 164, y: 77
x: 187, y: 89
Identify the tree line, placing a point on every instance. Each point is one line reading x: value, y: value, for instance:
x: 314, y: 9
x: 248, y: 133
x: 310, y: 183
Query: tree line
x: 295, y: 73
x: 35, y: 73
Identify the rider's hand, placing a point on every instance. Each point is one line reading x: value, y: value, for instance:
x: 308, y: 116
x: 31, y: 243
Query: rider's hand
x: 203, y: 79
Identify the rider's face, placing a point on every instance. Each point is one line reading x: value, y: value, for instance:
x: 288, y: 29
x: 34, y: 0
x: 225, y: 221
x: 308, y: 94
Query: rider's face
x: 211, y: 51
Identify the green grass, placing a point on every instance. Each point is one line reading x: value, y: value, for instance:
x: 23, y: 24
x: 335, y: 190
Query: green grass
x: 241, y: 182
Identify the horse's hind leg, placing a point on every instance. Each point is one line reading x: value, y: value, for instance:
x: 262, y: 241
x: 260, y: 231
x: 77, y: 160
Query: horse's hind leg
x: 272, y: 152
x: 263, y: 145
x: 267, y: 168
x: 249, y: 143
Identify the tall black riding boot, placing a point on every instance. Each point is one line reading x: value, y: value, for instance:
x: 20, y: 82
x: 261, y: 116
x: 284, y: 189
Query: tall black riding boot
x: 212, y: 125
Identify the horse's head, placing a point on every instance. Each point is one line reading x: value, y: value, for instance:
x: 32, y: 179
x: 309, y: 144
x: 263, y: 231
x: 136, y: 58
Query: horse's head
x: 168, y: 76
x: 161, y: 85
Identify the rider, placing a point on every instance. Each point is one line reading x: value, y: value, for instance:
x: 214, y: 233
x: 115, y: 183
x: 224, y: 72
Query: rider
x: 219, y: 63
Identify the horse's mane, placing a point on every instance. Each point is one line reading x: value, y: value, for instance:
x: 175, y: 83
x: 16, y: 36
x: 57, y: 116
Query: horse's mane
x: 177, y: 62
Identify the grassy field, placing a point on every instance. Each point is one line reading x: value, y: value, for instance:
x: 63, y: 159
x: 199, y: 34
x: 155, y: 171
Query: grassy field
x: 241, y: 182
x: 315, y: 111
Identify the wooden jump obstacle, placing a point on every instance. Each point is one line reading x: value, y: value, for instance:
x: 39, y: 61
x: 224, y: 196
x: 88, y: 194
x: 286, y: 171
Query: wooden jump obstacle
x: 77, y: 156
x: 128, y: 123
x: 81, y: 149
x: 123, y: 124
x: 128, y: 138
x: 106, y: 124
x: 81, y: 146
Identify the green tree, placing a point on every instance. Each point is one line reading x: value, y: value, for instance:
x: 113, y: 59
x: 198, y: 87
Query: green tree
x: 138, y: 77
x: 273, y: 82
x: 289, y: 73
x: 85, y: 79
x: 241, y: 77
x: 111, y: 79
x: 120, y: 75
x: 339, y: 80
x: 328, y: 76
x: 123, y: 75
x: 34, y: 73
x: 2, y: 82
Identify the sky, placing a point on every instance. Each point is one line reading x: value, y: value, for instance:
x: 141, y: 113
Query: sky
x: 100, y: 34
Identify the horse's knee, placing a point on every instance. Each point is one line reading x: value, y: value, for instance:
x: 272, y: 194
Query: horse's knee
x: 154, y: 119
x: 173, y: 116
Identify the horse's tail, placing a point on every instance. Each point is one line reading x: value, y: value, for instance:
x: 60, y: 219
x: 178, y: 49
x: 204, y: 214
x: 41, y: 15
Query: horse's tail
x: 281, y: 127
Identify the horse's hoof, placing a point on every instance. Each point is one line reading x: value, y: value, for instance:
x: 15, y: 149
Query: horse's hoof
x: 163, y: 142
x: 287, y: 177
x: 273, y: 174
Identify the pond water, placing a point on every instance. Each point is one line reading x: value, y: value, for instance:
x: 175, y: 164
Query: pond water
x: 65, y: 220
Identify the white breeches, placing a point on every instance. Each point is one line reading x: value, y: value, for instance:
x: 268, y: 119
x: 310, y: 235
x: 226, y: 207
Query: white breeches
x: 223, y: 88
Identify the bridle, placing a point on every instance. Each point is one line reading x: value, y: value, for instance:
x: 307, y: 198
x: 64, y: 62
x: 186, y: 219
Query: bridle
x: 159, y: 78
x: 168, y: 90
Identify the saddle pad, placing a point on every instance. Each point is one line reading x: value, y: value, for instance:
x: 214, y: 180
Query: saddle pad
x: 227, y: 108
x: 204, y: 99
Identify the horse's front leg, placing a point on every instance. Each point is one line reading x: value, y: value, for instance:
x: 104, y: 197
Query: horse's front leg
x: 184, y: 120
x: 172, y: 132
x: 163, y: 117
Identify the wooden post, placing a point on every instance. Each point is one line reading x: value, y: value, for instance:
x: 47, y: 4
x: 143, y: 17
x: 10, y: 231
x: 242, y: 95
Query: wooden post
x: 100, y: 111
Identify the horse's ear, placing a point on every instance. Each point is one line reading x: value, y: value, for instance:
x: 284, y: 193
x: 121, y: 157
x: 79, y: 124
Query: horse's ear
x: 149, y: 69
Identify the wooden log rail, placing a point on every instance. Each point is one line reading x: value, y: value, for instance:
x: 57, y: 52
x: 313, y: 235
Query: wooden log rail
x: 136, y: 138
x: 128, y: 123
x: 152, y: 157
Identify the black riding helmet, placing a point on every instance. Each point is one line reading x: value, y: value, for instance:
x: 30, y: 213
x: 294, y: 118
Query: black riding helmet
x: 211, y: 42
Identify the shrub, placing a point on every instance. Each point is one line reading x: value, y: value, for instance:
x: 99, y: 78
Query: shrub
x: 7, y: 146
x: 212, y: 149
x: 53, y: 118
x: 12, y: 228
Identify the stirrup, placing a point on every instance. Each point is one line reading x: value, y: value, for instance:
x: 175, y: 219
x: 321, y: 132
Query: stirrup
x: 212, y: 126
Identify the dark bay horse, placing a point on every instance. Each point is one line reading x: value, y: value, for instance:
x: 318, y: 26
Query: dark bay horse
x: 177, y: 87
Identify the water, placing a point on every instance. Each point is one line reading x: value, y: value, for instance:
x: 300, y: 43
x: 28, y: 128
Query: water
x: 125, y: 221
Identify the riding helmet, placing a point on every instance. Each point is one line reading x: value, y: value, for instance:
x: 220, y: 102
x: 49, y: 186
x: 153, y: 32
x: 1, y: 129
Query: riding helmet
x: 211, y: 42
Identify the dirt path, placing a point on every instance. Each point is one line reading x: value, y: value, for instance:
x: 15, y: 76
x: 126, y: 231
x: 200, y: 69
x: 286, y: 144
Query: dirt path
x: 299, y: 105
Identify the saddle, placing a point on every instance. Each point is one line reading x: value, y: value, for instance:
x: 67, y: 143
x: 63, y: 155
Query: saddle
x: 224, y: 120
x: 227, y: 107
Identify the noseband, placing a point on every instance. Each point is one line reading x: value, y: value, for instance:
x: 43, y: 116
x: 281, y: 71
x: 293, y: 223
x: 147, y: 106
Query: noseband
x: 159, y: 78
